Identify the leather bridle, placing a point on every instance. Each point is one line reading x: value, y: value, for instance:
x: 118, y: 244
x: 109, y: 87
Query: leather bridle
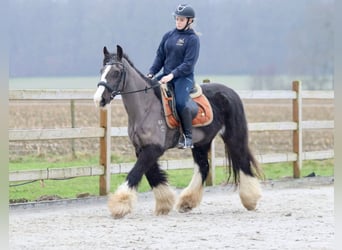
x: 115, y: 92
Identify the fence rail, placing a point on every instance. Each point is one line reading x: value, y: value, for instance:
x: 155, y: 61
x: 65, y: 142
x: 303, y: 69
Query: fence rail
x: 105, y: 132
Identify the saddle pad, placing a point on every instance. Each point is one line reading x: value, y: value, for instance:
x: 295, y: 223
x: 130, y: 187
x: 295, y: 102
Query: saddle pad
x: 204, y: 115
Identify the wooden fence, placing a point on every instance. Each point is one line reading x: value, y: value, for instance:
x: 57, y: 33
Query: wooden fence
x: 105, y: 131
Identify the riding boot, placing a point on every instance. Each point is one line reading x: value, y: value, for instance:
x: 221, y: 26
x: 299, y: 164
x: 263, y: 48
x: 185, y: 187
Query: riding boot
x: 185, y: 141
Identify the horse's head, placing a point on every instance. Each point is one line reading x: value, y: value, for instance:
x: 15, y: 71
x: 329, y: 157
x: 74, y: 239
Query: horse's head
x: 112, y: 77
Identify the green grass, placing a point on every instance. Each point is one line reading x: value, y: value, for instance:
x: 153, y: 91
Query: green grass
x: 70, y: 188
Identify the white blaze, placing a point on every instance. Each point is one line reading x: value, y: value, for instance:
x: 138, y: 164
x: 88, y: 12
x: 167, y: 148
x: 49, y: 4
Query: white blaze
x: 100, y: 89
x: 98, y: 95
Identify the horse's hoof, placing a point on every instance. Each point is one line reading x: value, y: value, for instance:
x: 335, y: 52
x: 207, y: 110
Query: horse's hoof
x: 119, y: 215
x: 164, y: 211
x: 250, y: 191
x: 121, y: 202
x: 184, y: 208
x: 185, y: 205
x: 190, y: 197
x: 165, y: 199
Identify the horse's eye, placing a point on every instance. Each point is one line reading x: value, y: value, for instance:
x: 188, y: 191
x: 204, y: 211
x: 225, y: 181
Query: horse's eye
x: 115, y: 73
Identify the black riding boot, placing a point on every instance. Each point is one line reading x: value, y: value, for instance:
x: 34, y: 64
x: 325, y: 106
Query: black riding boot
x: 185, y: 141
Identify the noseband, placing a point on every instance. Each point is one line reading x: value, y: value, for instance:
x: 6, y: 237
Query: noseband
x: 115, y: 92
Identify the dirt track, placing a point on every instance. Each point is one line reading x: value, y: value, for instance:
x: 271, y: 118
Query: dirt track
x: 292, y: 214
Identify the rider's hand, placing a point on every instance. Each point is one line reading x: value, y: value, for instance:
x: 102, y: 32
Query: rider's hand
x: 167, y: 78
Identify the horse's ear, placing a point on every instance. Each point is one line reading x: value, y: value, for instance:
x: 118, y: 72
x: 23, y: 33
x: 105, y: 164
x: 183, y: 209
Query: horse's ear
x: 105, y: 51
x: 119, y: 52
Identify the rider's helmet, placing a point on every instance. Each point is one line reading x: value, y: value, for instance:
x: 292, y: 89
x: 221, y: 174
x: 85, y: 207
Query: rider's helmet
x: 184, y: 10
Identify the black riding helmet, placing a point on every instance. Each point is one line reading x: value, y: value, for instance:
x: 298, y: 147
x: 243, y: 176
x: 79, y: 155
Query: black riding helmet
x: 184, y: 10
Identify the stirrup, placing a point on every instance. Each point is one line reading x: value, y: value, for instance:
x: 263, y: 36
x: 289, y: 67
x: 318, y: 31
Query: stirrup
x: 185, y: 142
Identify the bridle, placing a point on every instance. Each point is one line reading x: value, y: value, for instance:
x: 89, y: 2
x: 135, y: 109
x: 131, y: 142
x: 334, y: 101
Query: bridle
x: 115, y: 92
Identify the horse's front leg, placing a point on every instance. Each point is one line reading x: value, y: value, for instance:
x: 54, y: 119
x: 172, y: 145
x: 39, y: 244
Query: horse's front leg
x: 122, y: 201
x: 163, y: 194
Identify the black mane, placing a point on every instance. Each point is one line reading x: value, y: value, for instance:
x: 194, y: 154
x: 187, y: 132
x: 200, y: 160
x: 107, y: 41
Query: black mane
x: 149, y: 81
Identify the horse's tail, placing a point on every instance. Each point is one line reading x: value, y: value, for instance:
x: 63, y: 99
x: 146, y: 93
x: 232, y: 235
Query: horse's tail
x: 235, y: 137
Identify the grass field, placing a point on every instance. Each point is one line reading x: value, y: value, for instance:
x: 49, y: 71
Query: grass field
x: 85, y: 186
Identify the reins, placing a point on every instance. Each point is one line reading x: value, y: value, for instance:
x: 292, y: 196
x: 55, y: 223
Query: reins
x: 136, y: 91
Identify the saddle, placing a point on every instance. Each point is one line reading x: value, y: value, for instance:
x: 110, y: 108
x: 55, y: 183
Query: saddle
x: 204, y: 114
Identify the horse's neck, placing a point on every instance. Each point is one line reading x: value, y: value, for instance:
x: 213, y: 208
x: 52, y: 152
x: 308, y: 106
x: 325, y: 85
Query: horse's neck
x: 146, y: 122
x: 136, y: 104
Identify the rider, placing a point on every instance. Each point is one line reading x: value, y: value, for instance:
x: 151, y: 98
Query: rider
x: 177, y: 54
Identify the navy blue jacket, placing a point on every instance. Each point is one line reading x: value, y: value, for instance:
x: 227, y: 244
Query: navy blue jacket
x: 178, y: 52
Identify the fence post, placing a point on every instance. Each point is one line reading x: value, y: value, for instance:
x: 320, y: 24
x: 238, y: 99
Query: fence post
x: 72, y: 111
x: 105, y: 150
x: 297, y: 134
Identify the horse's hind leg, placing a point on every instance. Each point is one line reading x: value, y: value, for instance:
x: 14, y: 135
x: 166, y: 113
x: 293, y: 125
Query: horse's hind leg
x: 192, y: 195
x: 121, y: 202
x: 245, y: 168
x: 241, y: 160
x: 249, y: 190
x: 164, y: 195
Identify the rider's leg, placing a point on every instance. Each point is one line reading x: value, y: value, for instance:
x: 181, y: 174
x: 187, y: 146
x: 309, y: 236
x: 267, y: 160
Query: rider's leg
x: 182, y: 88
x: 186, y: 121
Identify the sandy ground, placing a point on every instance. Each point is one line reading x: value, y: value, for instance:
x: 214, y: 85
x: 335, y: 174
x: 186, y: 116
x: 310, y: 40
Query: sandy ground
x: 292, y: 214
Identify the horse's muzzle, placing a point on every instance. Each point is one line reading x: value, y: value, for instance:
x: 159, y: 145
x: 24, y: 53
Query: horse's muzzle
x: 98, y: 99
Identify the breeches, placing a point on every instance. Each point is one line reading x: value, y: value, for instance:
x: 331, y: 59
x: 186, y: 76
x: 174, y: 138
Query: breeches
x: 182, y: 87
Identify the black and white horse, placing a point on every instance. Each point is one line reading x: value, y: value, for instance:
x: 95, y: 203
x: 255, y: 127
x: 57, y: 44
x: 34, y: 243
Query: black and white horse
x: 151, y: 137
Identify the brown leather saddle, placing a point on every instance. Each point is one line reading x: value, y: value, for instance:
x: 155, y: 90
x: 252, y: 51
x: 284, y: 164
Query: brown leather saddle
x: 204, y: 114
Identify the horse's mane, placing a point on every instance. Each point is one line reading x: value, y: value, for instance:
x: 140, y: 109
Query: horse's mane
x: 149, y: 81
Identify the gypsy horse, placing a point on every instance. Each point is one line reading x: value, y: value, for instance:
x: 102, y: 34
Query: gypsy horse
x: 151, y: 137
